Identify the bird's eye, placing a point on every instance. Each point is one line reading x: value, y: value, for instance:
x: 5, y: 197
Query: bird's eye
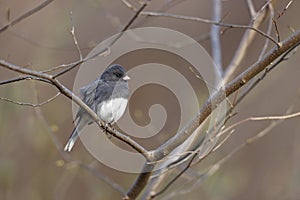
x: 118, y: 75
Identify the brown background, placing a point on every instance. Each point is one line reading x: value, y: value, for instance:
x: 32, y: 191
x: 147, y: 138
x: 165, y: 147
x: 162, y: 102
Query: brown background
x: 29, y: 160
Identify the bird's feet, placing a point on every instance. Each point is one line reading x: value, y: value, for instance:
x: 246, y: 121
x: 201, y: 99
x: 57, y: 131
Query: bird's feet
x: 108, y: 125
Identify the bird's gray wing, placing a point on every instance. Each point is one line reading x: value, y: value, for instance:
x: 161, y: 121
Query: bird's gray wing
x: 92, y: 94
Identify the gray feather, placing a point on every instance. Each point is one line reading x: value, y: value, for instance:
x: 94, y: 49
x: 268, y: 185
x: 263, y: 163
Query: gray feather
x: 98, y: 95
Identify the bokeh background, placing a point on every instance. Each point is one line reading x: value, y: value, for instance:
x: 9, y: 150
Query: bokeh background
x: 31, y: 166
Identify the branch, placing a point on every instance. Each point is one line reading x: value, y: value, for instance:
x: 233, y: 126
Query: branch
x: 266, y: 118
x: 260, y: 134
x: 214, y: 168
x: 30, y: 104
x: 212, y: 103
x: 231, y: 87
x: 197, y: 19
x: 270, y: 23
x: 23, y: 78
x: 106, y: 49
x: 245, y: 42
x: 51, y: 80
x: 72, y: 31
x: 251, y: 8
x: 67, y: 157
x: 215, y: 35
x: 26, y: 15
x: 140, y: 182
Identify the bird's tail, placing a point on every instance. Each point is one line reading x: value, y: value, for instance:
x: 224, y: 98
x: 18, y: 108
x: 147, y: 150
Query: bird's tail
x: 71, y: 140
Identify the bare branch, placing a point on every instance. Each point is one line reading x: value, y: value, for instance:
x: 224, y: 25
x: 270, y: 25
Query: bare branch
x: 23, y: 78
x: 193, y: 154
x: 245, y: 42
x: 158, y: 155
x: 214, y: 168
x: 67, y: 157
x: 106, y: 49
x: 271, y: 9
x: 287, y: 45
x: 183, y: 17
x: 152, y: 196
x: 72, y: 31
x: 277, y: 30
x: 140, y: 182
x: 266, y: 118
x: 26, y: 15
x: 80, y: 103
x: 231, y: 87
x: 285, y: 9
x: 62, y: 66
x: 215, y: 35
x: 128, y: 5
x: 30, y: 104
x: 284, y: 57
x: 251, y: 8
x: 250, y: 140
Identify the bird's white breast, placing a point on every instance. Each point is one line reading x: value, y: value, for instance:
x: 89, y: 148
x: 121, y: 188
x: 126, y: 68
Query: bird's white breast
x: 112, y: 110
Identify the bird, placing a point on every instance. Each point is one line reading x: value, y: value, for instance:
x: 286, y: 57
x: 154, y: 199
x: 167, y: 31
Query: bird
x: 107, y: 96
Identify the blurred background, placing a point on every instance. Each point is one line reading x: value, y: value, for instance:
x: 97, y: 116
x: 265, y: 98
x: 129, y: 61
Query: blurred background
x: 32, y: 167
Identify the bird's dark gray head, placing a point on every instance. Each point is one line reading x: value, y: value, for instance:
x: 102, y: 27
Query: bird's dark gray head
x: 114, y: 73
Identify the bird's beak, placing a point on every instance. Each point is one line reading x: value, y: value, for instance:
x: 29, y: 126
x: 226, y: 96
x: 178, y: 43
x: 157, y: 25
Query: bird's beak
x: 126, y: 78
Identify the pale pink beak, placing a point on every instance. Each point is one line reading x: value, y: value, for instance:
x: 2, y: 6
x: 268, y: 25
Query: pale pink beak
x: 126, y: 78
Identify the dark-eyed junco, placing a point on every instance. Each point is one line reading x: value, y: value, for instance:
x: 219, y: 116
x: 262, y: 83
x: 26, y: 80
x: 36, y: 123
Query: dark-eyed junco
x: 107, y: 96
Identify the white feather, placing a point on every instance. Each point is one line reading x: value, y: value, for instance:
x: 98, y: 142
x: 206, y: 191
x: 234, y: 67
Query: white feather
x: 112, y: 110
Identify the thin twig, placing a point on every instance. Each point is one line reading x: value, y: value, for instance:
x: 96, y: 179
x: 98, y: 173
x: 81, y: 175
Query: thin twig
x: 285, y: 9
x: 271, y: 10
x: 279, y: 15
x: 279, y: 119
x: 284, y: 57
x: 107, y: 48
x: 30, y: 104
x: 25, y: 15
x: 67, y: 156
x: 245, y: 42
x: 62, y: 66
x: 72, y: 31
x: 80, y: 103
x: 276, y: 29
x: 23, y: 78
x: 218, y: 97
x: 230, y: 88
x: 266, y: 118
x: 214, y: 168
x: 194, y: 154
x: 183, y: 17
x: 207, y: 108
x: 128, y: 5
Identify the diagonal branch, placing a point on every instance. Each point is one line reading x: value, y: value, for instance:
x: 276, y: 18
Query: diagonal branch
x: 26, y: 15
x: 106, y: 49
x: 212, y: 103
x: 245, y: 42
x: 79, y: 102
x: 231, y: 87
